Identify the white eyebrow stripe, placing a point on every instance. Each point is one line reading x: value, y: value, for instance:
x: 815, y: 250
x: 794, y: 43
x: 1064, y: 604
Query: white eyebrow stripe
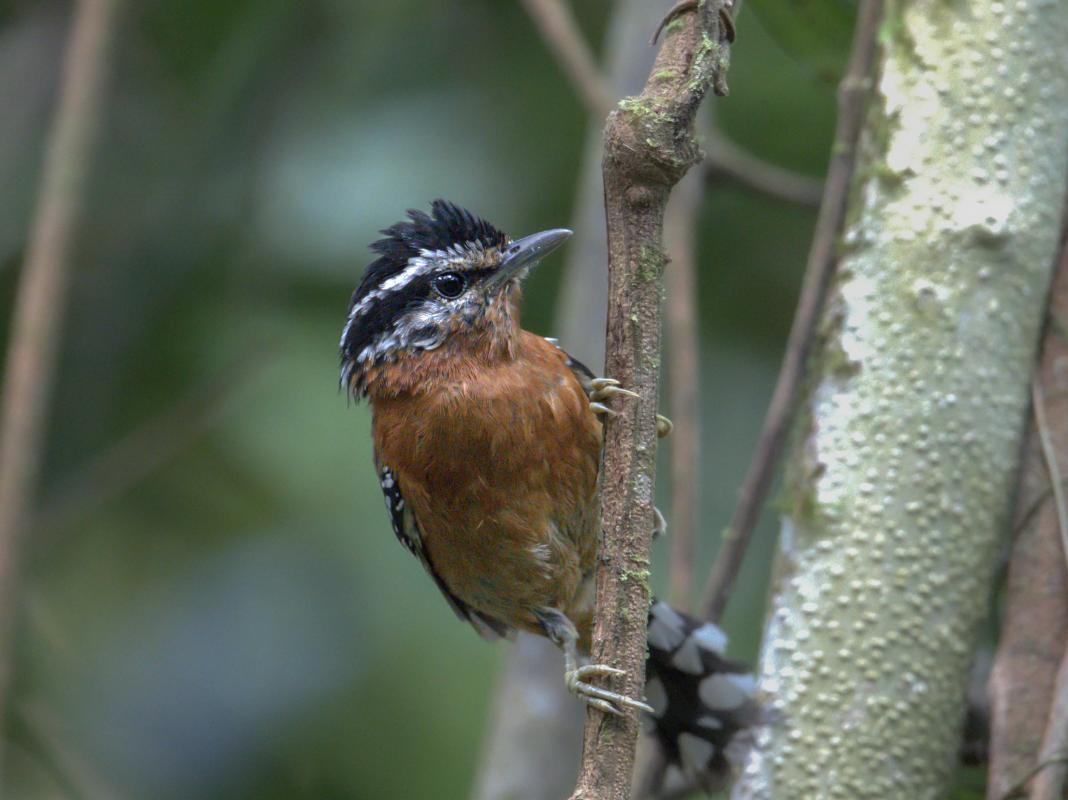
x: 426, y: 261
x: 416, y: 266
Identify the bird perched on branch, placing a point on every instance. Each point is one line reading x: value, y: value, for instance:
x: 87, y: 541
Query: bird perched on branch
x: 487, y: 442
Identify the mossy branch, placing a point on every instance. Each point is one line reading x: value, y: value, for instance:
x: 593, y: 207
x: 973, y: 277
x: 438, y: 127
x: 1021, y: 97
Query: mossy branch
x: 649, y: 145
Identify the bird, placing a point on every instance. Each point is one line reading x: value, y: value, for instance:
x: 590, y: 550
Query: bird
x: 487, y: 444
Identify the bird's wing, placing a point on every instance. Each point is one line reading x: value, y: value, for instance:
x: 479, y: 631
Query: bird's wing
x: 406, y: 527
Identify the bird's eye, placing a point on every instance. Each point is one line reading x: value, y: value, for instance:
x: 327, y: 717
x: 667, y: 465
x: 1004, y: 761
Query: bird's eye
x: 450, y: 284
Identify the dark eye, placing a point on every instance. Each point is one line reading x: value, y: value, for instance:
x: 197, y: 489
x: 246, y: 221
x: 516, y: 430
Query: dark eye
x: 450, y: 284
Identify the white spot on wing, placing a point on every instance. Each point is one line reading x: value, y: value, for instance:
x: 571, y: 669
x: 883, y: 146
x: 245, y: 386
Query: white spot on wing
x: 688, y: 658
x: 695, y: 751
x: 726, y: 691
x: 662, y: 636
x: 710, y: 637
x: 667, y: 628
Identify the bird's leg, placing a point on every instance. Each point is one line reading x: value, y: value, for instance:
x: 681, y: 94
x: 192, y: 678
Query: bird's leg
x: 560, y: 629
x: 602, y: 389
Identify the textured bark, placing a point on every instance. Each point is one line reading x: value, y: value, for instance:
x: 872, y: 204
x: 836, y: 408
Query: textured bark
x: 649, y: 145
x: 901, y: 481
x: 822, y: 257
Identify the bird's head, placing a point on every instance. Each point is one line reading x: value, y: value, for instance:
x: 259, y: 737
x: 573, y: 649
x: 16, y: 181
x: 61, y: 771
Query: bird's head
x: 437, y: 279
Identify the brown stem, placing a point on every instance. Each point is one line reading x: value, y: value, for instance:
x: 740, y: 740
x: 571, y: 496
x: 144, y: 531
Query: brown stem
x: 1049, y: 783
x: 1025, y: 725
x: 852, y: 96
x: 684, y: 382
x: 40, y: 301
x: 649, y: 145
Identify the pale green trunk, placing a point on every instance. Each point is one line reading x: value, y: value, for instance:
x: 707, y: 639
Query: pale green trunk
x: 900, y: 483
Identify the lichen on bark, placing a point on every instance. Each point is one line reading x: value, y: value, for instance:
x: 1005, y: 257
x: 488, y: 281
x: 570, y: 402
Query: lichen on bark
x: 903, y: 472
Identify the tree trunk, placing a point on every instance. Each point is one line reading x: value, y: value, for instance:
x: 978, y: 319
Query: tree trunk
x: 901, y: 480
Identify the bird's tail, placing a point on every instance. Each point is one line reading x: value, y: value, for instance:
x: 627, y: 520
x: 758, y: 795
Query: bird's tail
x: 703, y: 703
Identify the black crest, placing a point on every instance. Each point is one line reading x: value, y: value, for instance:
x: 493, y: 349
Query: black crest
x: 445, y: 227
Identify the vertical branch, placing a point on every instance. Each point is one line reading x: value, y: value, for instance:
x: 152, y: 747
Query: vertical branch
x: 902, y: 477
x: 1034, y: 625
x: 649, y: 145
x: 852, y: 96
x: 39, y: 303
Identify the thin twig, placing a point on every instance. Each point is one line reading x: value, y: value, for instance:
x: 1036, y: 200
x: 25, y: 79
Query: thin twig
x: 725, y: 159
x: 649, y: 145
x: 1036, y: 504
x: 852, y: 96
x: 1049, y: 453
x: 561, y: 32
x: 40, y: 302
x: 1020, y: 789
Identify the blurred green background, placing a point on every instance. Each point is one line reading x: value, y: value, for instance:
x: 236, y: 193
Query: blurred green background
x: 213, y: 605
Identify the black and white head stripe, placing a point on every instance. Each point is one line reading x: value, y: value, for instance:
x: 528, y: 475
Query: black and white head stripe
x: 409, y: 255
x: 702, y: 702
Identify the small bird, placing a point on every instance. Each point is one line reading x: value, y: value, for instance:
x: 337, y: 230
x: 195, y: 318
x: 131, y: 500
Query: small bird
x: 487, y: 442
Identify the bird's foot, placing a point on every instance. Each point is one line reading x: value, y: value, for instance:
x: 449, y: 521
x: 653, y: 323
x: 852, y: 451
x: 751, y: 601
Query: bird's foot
x: 603, y: 389
x: 603, y: 699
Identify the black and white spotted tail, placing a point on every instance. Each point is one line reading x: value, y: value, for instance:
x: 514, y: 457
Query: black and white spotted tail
x: 703, y: 703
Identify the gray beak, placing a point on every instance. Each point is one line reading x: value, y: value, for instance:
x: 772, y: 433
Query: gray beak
x: 524, y: 253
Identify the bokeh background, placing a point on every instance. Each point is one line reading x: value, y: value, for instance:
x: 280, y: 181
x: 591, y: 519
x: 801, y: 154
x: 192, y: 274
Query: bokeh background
x: 212, y: 603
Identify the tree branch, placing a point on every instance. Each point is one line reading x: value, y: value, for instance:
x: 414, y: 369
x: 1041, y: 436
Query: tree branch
x: 901, y: 481
x: 724, y: 158
x: 852, y: 99
x: 1034, y: 625
x: 649, y: 145
x: 1048, y: 783
x: 684, y: 380
x: 40, y: 301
